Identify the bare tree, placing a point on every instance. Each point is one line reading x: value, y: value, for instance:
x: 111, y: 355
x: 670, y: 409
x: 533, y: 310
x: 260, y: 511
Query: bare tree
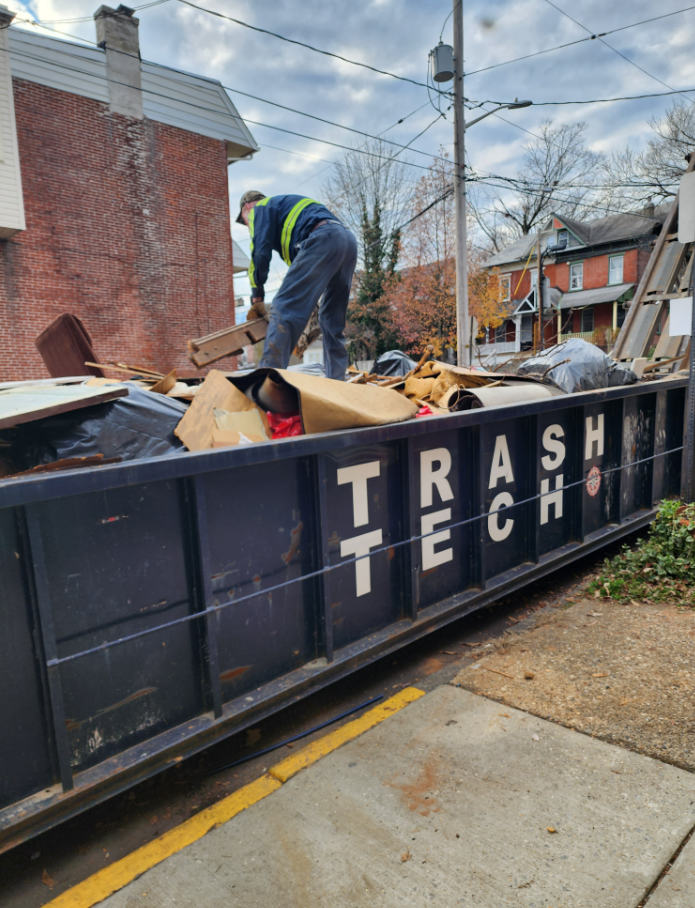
x: 370, y: 182
x: 559, y: 174
x: 637, y: 178
x: 371, y: 190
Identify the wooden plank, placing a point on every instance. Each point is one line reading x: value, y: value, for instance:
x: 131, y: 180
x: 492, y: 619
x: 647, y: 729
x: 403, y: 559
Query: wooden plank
x: 26, y: 403
x: 642, y: 331
x: 670, y: 226
x: 666, y: 269
x: 228, y: 342
x: 668, y: 346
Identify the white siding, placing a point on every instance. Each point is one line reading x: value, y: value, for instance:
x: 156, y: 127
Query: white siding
x: 240, y: 259
x: 59, y: 64
x: 193, y: 103
x: 11, y: 201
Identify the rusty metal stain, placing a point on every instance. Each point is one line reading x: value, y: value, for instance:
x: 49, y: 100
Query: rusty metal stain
x: 114, y: 519
x: 136, y: 696
x: 391, y: 553
x: 234, y: 673
x: 73, y: 724
x: 295, y: 540
x: 147, y: 608
x: 337, y: 604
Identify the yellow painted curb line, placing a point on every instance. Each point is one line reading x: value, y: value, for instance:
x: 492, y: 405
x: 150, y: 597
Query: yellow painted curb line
x: 317, y: 749
x: 109, y: 880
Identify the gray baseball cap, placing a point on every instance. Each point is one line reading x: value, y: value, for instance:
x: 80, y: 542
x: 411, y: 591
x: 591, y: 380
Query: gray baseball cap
x: 251, y: 196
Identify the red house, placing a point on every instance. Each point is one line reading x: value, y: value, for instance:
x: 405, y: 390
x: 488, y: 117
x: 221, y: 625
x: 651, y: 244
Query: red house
x: 114, y: 200
x: 590, y: 276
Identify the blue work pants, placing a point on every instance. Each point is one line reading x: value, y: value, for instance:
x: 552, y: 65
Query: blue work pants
x: 323, y: 267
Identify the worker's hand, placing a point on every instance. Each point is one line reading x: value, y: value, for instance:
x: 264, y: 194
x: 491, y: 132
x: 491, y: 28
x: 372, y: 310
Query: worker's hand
x: 258, y: 309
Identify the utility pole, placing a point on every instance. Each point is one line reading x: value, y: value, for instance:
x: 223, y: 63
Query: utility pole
x: 539, y: 294
x: 447, y: 64
x: 463, y: 331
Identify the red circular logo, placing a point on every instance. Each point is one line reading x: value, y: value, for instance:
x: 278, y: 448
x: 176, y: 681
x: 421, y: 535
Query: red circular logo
x: 593, y: 481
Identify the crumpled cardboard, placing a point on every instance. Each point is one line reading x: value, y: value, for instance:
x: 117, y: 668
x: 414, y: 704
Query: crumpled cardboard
x: 327, y: 405
x: 241, y: 428
x: 216, y: 392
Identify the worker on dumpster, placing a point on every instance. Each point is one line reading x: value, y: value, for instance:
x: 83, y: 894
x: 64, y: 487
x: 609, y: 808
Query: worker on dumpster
x: 321, y: 253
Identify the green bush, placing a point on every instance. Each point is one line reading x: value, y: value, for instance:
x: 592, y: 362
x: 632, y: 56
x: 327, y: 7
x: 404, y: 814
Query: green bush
x: 660, y: 567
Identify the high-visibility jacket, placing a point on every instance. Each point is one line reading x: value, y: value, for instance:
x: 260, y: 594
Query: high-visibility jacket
x: 280, y: 222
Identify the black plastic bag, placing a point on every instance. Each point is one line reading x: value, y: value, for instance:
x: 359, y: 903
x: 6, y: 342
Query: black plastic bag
x: 394, y: 362
x: 139, y: 425
x: 588, y: 369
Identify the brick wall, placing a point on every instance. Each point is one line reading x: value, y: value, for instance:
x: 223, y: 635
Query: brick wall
x: 127, y: 227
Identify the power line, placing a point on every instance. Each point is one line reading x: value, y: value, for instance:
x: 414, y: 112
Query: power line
x: 317, y: 50
x: 593, y: 207
x: 591, y: 37
x: 614, y: 49
x: 237, y: 117
x: 388, y: 128
x: 302, y: 113
x: 277, y: 104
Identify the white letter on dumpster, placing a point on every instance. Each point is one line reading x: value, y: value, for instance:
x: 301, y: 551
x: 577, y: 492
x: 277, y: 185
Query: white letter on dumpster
x: 430, y: 478
x: 593, y: 435
x: 498, y: 533
x: 430, y: 558
x: 358, y: 476
x: 501, y: 463
x: 552, y: 443
x: 552, y: 498
x: 360, y: 546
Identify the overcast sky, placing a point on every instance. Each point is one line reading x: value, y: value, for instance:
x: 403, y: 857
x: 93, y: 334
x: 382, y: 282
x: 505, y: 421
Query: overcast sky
x: 396, y: 35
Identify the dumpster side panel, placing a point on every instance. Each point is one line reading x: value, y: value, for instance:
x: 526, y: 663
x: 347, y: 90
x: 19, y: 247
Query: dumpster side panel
x: 116, y: 565
x: 364, y: 508
x: 261, y: 533
x: 507, y: 457
x: 442, y: 491
x: 25, y: 758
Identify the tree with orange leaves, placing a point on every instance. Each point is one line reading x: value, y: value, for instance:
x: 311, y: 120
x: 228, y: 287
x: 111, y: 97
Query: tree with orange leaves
x: 422, y: 294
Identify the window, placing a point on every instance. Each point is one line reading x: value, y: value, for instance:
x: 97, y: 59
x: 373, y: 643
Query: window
x: 505, y: 287
x: 587, y: 319
x: 563, y: 238
x: 621, y: 314
x: 534, y: 278
x: 576, y: 275
x: 501, y: 333
x: 615, y: 269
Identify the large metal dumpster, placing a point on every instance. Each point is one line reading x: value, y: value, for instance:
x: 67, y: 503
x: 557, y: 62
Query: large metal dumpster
x: 151, y: 608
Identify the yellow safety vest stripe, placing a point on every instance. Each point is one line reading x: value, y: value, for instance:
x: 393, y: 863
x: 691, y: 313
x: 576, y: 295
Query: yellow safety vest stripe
x: 252, y: 279
x: 288, y: 226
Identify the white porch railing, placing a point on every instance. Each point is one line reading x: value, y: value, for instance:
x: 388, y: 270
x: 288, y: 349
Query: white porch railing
x: 601, y: 336
x: 505, y: 347
x: 583, y: 335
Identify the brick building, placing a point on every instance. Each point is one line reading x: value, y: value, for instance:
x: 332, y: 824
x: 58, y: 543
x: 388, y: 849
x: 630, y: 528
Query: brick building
x: 589, y: 279
x: 114, y: 201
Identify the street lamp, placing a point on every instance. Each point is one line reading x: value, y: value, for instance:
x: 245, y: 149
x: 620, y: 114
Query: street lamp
x: 447, y: 65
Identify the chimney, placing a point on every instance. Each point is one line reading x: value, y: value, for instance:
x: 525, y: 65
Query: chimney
x: 117, y: 34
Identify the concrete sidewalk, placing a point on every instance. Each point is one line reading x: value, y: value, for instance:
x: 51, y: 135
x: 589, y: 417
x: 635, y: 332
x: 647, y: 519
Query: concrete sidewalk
x: 453, y: 801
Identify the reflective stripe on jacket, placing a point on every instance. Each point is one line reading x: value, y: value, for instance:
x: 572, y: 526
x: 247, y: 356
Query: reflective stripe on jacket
x: 280, y: 223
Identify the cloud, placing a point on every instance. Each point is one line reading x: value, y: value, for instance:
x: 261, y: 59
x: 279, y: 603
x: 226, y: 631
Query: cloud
x: 397, y: 36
